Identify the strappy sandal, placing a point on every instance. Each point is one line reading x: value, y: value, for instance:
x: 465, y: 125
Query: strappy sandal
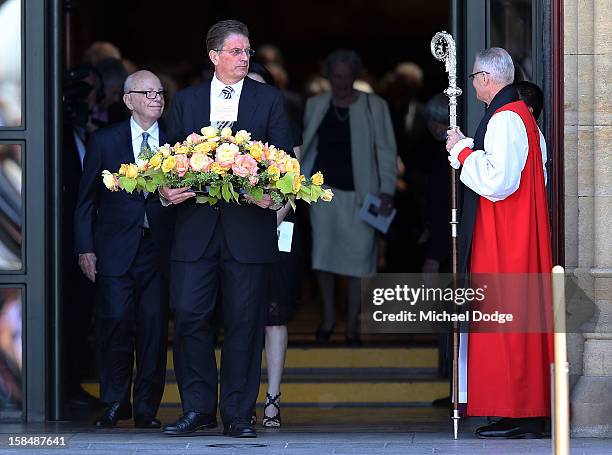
x: 274, y: 421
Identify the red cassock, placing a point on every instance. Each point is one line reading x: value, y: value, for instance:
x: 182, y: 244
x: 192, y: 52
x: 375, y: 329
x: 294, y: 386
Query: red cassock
x: 509, y: 373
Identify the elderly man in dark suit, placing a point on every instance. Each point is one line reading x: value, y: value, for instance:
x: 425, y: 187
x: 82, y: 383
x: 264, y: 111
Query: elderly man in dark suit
x: 123, y: 244
x: 229, y: 245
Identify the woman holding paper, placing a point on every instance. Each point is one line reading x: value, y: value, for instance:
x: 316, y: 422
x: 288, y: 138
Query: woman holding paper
x: 348, y: 136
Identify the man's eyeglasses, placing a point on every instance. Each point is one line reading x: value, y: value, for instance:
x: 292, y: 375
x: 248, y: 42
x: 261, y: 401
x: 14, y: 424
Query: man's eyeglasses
x: 473, y: 75
x: 237, y: 51
x: 151, y: 94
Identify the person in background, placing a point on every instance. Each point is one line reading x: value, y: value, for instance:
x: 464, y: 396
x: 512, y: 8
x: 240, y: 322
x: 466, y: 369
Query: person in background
x: 285, y: 286
x: 348, y: 136
x: 532, y: 95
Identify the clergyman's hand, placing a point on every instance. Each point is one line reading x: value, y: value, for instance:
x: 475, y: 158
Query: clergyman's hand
x: 452, y: 137
x: 87, y: 263
x: 176, y: 195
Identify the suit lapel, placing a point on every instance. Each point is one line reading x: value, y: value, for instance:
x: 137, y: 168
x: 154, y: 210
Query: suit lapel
x: 247, y: 104
x: 201, y: 108
x: 125, y: 142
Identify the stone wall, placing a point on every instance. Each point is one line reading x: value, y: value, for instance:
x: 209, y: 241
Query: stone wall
x: 588, y: 204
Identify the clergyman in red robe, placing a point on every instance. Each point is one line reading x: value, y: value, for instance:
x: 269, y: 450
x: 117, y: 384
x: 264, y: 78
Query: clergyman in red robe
x: 502, y: 169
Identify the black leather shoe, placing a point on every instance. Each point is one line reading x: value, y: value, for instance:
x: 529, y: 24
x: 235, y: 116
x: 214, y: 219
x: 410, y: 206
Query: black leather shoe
x: 80, y: 399
x: 147, y: 422
x: 239, y: 429
x: 191, y: 422
x: 507, y: 428
x: 115, y: 412
x: 323, y: 336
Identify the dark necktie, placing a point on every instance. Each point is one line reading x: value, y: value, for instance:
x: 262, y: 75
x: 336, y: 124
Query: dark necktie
x: 144, y: 145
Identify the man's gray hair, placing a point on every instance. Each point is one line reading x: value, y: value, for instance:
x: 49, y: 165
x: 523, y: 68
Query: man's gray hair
x: 132, y: 79
x: 497, y: 62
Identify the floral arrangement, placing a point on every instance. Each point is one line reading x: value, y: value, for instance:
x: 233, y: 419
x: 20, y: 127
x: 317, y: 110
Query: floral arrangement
x: 218, y: 165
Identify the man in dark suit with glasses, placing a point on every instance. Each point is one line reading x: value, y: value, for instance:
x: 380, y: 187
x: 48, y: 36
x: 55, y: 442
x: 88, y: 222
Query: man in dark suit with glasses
x: 123, y: 243
x: 227, y: 245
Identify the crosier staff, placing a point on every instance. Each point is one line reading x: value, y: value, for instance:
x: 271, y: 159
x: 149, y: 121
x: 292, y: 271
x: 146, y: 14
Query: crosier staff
x: 443, y: 49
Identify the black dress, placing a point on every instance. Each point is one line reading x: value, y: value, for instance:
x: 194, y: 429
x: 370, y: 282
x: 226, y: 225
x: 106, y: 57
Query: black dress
x: 285, y: 274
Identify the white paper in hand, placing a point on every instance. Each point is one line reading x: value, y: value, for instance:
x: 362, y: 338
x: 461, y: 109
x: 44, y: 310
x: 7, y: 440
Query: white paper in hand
x: 284, y: 231
x: 369, y: 214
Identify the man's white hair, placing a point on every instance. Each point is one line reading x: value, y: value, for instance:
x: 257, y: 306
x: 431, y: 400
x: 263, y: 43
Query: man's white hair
x: 497, y: 62
x: 133, y: 78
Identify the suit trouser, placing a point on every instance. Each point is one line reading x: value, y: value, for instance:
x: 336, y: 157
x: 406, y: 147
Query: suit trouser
x: 132, y: 312
x: 193, y: 291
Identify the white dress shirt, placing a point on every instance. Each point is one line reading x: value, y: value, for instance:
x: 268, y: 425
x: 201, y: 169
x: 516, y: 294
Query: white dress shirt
x: 152, y: 140
x: 495, y: 172
x: 216, y: 86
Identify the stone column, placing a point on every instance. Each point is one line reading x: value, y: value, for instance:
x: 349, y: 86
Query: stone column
x: 591, y: 398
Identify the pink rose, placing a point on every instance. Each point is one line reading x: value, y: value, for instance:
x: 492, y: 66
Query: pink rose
x: 194, y: 138
x: 182, y: 164
x: 244, y: 165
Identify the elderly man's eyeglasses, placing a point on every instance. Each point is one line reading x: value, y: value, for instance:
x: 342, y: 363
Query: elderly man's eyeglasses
x: 473, y: 75
x: 237, y: 51
x: 151, y: 94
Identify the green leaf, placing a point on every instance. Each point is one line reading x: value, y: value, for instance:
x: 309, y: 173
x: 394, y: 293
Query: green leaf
x: 141, y: 183
x: 225, y: 192
x: 206, y: 200
x: 256, y: 193
x: 127, y: 184
x: 159, y: 179
x: 291, y: 201
x: 215, y: 191
x: 316, y: 192
x: 304, y: 194
x: 151, y: 186
x: 285, y: 184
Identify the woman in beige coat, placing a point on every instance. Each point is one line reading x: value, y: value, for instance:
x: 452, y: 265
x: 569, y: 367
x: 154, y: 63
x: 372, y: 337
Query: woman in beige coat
x: 348, y: 136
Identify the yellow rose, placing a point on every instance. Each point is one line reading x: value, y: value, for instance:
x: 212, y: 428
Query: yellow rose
x: 198, y: 161
x: 168, y: 164
x: 317, y: 179
x: 292, y: 165
x: 164, y: 150
x: 327, y: 195
x: 132, y: 171
x: 272, y: 153
x: 182, y: 149
x: 109, y: 180
x: 242, y: 137
x: 217, y: 168
x: 226, y: 133
x: 156, y: 161
x: 208, y: 132
x: 274, y: 172
x: 256, y: 151
x: 123, y: 169
x: 297, y: 183
x: 203, y: 147
x: 213, y: 146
